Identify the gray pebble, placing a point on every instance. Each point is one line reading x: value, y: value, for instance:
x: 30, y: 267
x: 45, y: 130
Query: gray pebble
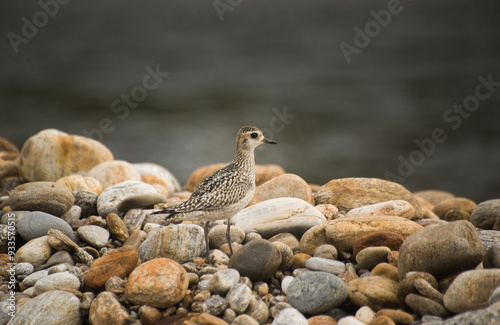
x: 223, y: 280
x: 36, y: 224
x: 31, y: 279
x: 62, y: 280
x: 215, y: 304
x: 290, y: 316
x: 23, y: 268
x: 239, y: 297
x: 94, y: 235
x: 325, y: 265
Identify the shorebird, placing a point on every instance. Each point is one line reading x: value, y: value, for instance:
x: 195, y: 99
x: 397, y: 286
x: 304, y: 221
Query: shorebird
x: 225, y: 192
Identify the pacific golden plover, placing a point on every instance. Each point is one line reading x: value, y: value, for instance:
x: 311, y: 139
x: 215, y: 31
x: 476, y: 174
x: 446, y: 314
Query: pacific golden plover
x: 225, y: 192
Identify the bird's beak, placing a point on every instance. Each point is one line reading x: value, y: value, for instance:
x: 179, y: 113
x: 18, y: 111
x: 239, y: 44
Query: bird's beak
x: 269, y: 141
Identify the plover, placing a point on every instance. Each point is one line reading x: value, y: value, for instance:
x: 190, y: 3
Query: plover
x: 225, y: 192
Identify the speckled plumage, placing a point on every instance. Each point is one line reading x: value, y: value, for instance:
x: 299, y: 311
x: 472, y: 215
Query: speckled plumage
x: 227, y: 191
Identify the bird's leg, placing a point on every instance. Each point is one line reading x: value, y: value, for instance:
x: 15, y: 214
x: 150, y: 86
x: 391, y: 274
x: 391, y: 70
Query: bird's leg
x: 205, y: 228
x: 229, y: 236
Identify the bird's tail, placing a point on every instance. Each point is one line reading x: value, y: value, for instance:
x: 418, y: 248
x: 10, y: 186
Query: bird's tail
x: 169, y: 214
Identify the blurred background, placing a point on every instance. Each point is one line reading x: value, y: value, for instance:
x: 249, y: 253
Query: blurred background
x: 276, y: 65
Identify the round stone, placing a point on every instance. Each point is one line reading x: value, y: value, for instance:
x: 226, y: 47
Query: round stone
x: 369, y: 257
x: 215, y: 304
x: 239, y: 297
x: 325, y: 265
x: 375, y: 292
x: 486, y: 214
x: 258, y: 260
x: 397, y: 208
x: 398, y: 316
x: 160, y: 172
x: 223, y: 280
x: 36, y: 224
x: 36, y: 252
x: 286, y: 238
x: 117, y: 227
x: 217, y: 236
x: 81, y: 182
x: 57, y: 281
x: 425, y: 306
x: 112, y: 196
x: 31, y: 279
x: 258, y: 310
x: 106, y: 309
x: 160, y: 283
x: 286, y: 185
x: 87, y: 201
x: 286, y: 255
x: 326, y: 251
x: 23, y: 268
x: 290, y: 316
x: 383, y: 238
x: 316, y: 292
x: 244, y: 320
x: 113, y: 172
x: 94, y: 235
x: 386, y: 270
x: 456, y: 208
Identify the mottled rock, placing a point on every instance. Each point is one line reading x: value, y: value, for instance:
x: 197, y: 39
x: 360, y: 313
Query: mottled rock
x: 428, y: 291
x: 160, y: 172
x: 386, y: 270
x: 290, y: 316
x: 217, y: 236
x: 425, y: 306
x: 47, y: 197
x: 117, y: 227
x: 280, y: 215
x: 31, y: 279
x: 374, y: 292
x: 223, y: 280
x: 369, y: 257
x: 383, y: 238
x: 160, y: 283
x: 51, y: 154
x: 81, y: 182
x: 407, y: 285
x: 112, y: 196
x: 326, y: 251
x: 94, y: 235
x: 486, y: 214
x: 330, y: 211
x: 239, y: 297
x: 258, y: 310
x: 441, y: 250
x: 178, y: 242
x: 365, y: 314
x: 316, y: 292
x: 397, y: 208
x: 434, y: 196
x: 37, y: 251
x: 258, y: 260
x: 286, y: 238
x: 134, y: 219
x: 87, y: 201
x: 106, y: 309
x: 57, y: 281
x: 286, y: 255
x: 489, y: 238
x: 489, y: 315
x: 215, y: 305
x: 313, y: 238
x: 113, y: 172
x: 325, y: 265
x: 286, y: 185
x: 457, y: 208
x: 350, y: 193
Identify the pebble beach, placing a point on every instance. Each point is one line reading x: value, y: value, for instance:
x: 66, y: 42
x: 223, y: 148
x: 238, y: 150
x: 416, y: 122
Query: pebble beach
x: 79, y: 245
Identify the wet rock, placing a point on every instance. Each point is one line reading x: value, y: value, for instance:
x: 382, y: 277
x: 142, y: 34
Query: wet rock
x: 178, y: 242
x: 36, y: 224
x: 81, y: 182
x: 325, y: 265
x: 239, y: 297
x: 160, y: 172
x: 94, y: 235
x: 369, y: 257
x: 457, y: 208
x: 36, y: 252
x: 223, y: 280
x: 286, y: 185
x: 374, y: 292
x: 160, y: 283
x: 441, y: 250
x: 217, y: 236
x: 258, y: 260
x: 279, y: 215
x: 383, y: 238
x: 49, y: 197
x: 486, y: 214
x: 106, y: 309
x: 57, y: 281
x: 290, y: 316
x: 52, y: 154
x: 316, y: 292
x: 396, y: 208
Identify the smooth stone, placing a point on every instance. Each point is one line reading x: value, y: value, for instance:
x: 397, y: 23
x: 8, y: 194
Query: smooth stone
x: 428, y: 291
x: 325, y: 265
x: 134, y: 219
x: 117, y: 262
x: 23, y: 269
x: 350, y: 320
x: 94, y: 235
x: 370, y: 257
x: 106, y: 309
x: 326, y: 251
x: 313, y: 238
x: 383, y: 238
x: 397, y: 208
x: 223, y: 280
x: 258, y: 260
x: 398, y: 316
x: 57, y: 281
x: 425, y: 306
x: 383, y: 320
x: 330, y: 211
x: 286, y: 255
x: 274, y: 216
x: 81, y: 182
x: 218, y: 256
x: 49, y: 197
x: 51, y: 154
x: 321, y: 320
x: 31, y: 279
x: 215, y: 304
x: 114, y: 172
x: 471, y: 290
x: 87, y: 201
x: 149, y: 315
x: 217, y: 236
x: 52, y: 307
x: 178, y: 242
x: 343, y: 232
x: 73, y: 215
x: 492, y: 257
x: 239, y: 297
x: 434, y: 196
x: 386, y: 270
x: 244, y: 320
x: 489, y: 238
x: 457, y: 208
x: 160, y: 172
x: 286, y: 238
x: 258, y: 310
x: 365, y: 314
x: 441, y: 250
x: 299, y: 260
x: 485, y: 214
x: 112, y: 196
x: 136, y: 238
x: 160, y: 283
x: 36, y: 224
x: 159, y: 184
x: 36, y: 252
x: 407, y: 285
x: 489, y: 315
x: 374, y: 292
x: 117, y: 227
x: 141, y: 201
x: 316, y: 292
x: 495, y: 296
x: 290, y: 316
x: 350, y: 193
x: 285, y: 282
x: 286, y: 185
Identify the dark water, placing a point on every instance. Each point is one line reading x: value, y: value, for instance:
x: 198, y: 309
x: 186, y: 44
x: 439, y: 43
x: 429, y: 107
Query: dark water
x: 344, y: 119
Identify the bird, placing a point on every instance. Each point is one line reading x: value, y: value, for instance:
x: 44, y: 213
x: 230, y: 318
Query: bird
x: 225, y: 192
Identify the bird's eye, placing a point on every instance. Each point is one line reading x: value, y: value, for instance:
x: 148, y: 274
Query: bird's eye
x: 254, y: 135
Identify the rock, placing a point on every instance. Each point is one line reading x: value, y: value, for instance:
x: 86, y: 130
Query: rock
x: 490, y: 315
x: 495, y: 296
x: 147, y: 200
x: 117, y: 227
x: 424, y: 306
x: 36, y: 224
x: 160, y: 283
x: 239, y: 297
x: 53, y: 307
x: 325, y: 265
x: 407, y: 285
x: 160, y: 172
x: 159, y: 184
x: 396, y: 208
x: 441, y: 250
x: 37, y: 251
x: 48, y: 197
x: 489, y: 238
x: 149, y: 315
x: 94, y: 235
x: 106, y: 309
x: 286, y: 255
x: 486, y: 214
x: 57, y: 281
x: 223, y: 280
x: 217, y: 236
x: 290, y: 316
x: 81, y: 182
x: 87, y: 201
x: 350, y: 320
x: 350, y: 193
x: 321, y: 320
x: 398, y: 316
x: 257, y: 309
x: 457, y: 208
x: 343, y: 232
x: 215, y: 305
x: 203, y: 318
x: 23, y: 269
x: 330, y: 211
x: 288, y: 239
x: 425, y: 289
x: 244, y: 320
x: 117, y: 262
x: 492, y: 257
x: 365, y: 314
x: 178, y: 242
x: 9, y: 159
x: 383, y: 238
x: 434, y: 196
x: 471, y: 290
x: 374, y: 292
x: 313, y: 238
x: 279, y: 215
x: 370, y: 257
x: 286, y: 185
x: 52, y: 154
x: 386, y: 270
x: 326, y: 251
x: 316, y: 292
x: 258, y: 260
x: 60, y: 241
x: 112, y: 196
x: 31, y: 279
x: 113, y: 172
